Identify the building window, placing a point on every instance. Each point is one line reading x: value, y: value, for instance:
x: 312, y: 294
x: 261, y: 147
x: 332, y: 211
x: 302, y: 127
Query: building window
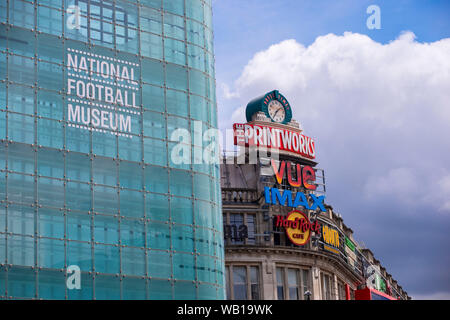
x: 293, y: 283
x: 280, y: 283
x: 239, y: 228
x: 243, y: 283
x: 306, y: 282
x: 341, y: 291
x: 254, y: 283
x: 239, y: 283
x: 327, y: 287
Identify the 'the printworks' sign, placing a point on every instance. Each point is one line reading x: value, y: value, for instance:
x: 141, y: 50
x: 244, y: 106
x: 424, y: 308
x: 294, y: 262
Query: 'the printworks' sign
x: 272, y: 137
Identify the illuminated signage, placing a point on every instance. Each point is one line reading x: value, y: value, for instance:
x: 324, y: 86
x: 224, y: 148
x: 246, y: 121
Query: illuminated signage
x: 349, y: 244
x: 297, y: 226
x: 273, y: 137
x: 305, y: 175
x: 330, y: 237
x: 286, y: 198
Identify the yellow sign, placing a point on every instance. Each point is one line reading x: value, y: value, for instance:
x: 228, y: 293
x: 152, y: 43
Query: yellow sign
x: 331, y: 237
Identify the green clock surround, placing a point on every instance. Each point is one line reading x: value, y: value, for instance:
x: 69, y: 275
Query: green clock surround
x: 262, y: 104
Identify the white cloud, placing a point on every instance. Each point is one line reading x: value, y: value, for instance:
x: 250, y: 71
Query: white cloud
x: 380, y: 113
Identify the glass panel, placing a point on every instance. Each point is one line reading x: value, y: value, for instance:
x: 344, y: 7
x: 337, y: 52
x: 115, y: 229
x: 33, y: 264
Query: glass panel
x: 194, y: 9
x: 107, y: 259
x: 205, y: 269
x: 21, y: 158
x: 156, y: 179
x: 51, y: 192
x: 151, y: 46
x: 78, y: 226
x: 155, y: 151
x: 134, y: 288
x: 51, y: 253
x: 183, y: 266
x: 78, y: 196
x: 21, y: 250
x: 107, y: 287
x: 152, y: 71
x: 177, y: 103
x: 80, y: 254
x: 50, y: 48
x: 50, y: 133
x: 49, y: 20
x: 181, y: 183
x: 78, y: 167
x: 131, y: 203
x: 176, y: 77
x: 174, y: 51
x: 159, y: 264
x: 86, y: 291
x: 52, y: 285
x: 174, y: 26
x: 21, y: 282
x: 182, y: 238
x: 21, y: 220
x: 204, y: 241
x: 157, y: 207
x: 50, y: 163
x: 150, y: 20
x: 158, y: 236
x: 133, y: 261
x: 153, y: 98
x: 202, y: 186
x: 130, y: 175
x: 154, y: 125
x: 106, y: 200
x: 181, y: 210
x: 106, y: 229
x: 21, y: 14
x: 195, y: 33
x: 132, y: 233
x: 51, y: 223
x: 174, y: 6
x: 50, y: 76
x: 21, y: 99
x: 21, y: 188
x: 160, y: 289
x: 21, y: 128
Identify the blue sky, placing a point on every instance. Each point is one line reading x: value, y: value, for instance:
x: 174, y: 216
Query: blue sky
x: 242, y: 28
x: 392, y: 186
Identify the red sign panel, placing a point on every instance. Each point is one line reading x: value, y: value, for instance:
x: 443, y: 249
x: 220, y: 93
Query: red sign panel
x: 274, y: 138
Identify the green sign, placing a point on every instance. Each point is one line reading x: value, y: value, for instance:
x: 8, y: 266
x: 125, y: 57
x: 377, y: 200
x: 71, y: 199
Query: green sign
x: 349, y: 244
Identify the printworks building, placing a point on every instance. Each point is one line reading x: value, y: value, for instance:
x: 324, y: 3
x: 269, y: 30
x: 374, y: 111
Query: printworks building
x: 90, y: 93
x: 281, y: 240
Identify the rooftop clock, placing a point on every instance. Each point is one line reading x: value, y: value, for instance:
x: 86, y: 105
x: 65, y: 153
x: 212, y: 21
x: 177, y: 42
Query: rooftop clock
x: 273, y: 104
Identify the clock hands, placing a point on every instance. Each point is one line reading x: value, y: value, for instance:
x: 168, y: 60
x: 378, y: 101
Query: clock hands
x: 277, y: 111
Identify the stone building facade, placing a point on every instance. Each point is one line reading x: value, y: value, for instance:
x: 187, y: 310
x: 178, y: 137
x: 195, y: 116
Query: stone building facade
x: 262, y: 260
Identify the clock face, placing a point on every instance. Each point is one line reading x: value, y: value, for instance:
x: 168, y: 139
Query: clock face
x: 276, y: 111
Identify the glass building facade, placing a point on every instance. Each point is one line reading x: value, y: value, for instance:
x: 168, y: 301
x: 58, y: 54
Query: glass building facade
x: 90, y: 94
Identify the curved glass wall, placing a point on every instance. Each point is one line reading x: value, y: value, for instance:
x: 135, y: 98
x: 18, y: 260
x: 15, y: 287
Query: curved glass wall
x: 90, y: 93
